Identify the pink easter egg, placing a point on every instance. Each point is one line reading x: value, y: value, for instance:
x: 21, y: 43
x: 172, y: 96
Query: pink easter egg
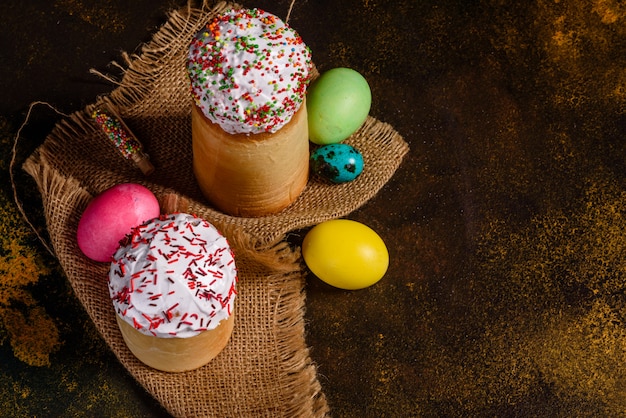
x: 111, y: 215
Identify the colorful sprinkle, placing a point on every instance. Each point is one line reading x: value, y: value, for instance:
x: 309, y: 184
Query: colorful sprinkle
x: 121, y: 137
x: 115, y: 131
x: 249, y: 71
x: 183, y: 304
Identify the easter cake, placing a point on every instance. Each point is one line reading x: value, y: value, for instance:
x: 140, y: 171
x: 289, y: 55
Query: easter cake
x: 249, y: 72
x: 173, y: 287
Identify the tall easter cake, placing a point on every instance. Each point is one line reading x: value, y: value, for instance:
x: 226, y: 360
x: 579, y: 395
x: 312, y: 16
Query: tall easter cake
x: 249, y: 72
x: 173, y: 287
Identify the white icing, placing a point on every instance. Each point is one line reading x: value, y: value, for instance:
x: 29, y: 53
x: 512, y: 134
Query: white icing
x: 175, y: 277
x: 249, y: 71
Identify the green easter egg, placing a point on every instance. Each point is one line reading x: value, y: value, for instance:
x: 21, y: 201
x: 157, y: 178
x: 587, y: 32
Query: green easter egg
x: 338, y: 103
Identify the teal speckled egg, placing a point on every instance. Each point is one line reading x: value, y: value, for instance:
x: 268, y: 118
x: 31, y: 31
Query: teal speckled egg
x: 338, y: 163
x: 338, y: 103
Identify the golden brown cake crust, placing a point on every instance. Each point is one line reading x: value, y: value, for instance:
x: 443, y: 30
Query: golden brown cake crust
x: 251, y: 175
x: 177, y: 354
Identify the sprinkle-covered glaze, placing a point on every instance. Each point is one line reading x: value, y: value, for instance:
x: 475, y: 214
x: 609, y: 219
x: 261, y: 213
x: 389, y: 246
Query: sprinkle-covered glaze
x: 249, y: 71
x: 174, y: 276
x: 114, y: 130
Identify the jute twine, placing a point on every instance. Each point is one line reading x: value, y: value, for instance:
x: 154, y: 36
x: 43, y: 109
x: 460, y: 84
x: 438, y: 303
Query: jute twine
x: 266, y: 369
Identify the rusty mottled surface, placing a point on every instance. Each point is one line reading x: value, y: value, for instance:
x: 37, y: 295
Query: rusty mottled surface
x: 506, y: 291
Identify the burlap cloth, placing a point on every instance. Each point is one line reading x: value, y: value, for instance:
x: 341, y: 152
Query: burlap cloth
x: 266, y: 369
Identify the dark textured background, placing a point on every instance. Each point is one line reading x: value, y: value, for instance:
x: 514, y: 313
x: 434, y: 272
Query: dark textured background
x: 505, y: 294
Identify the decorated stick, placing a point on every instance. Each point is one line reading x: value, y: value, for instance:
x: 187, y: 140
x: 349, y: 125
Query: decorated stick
x: 121, y: 136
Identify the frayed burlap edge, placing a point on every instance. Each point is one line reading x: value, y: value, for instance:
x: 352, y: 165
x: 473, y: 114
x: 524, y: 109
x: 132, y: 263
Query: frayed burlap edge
x: 147, y: 84
x: 266, y: 369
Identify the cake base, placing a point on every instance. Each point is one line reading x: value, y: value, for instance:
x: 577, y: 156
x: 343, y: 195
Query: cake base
x: 251, y: 175
x: 177, y: 354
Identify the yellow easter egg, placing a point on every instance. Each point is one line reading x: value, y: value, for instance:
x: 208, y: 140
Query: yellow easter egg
x: 345, y: 254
